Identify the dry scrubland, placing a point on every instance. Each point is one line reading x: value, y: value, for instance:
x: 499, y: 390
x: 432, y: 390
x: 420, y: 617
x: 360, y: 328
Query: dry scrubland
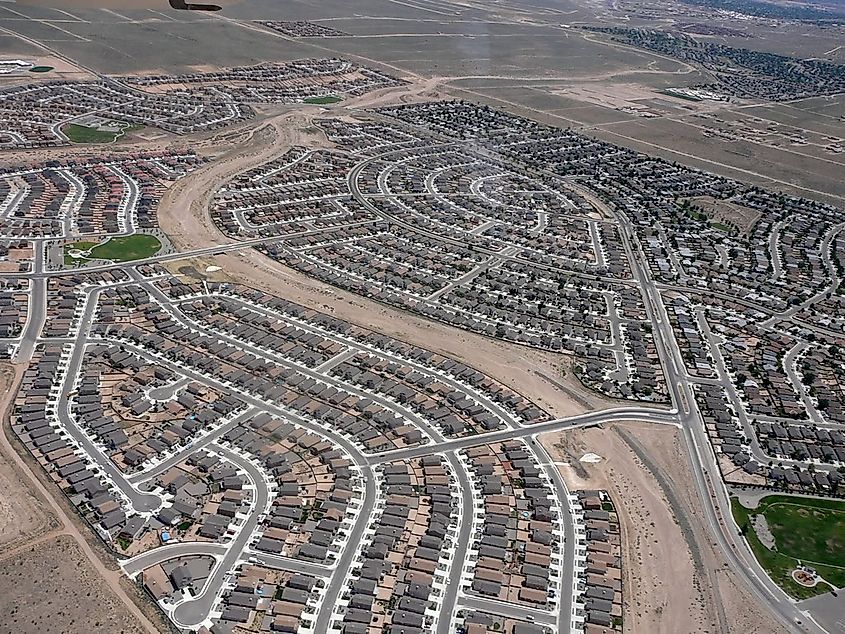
x: 51, y: 588
x: 569, y: 77
x: 674, y: 582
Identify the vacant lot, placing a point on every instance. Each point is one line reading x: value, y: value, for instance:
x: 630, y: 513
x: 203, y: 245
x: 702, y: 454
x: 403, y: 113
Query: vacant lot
x: 806, y: 530
x: 22, y: 515
x: 51, y: 587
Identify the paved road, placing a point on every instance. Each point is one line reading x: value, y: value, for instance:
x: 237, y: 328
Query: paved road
x: 161, y: 554
x: 511, y: 610
x: 183, y: 255
x: 619, y: 415
x: 199, y: 443
x: 291, y: 565
x: 708, y: 479
x: 141, y: 501
x: 192, y: 612
x: 565, y: 608
x: 449, y: 605
x: 36, y: 308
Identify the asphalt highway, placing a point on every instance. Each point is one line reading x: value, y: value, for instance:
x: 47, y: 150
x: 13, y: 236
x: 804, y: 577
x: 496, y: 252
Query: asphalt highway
x: 708, y: 479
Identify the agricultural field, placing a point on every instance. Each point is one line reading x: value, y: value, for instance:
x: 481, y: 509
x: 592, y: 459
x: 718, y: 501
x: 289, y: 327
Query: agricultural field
x: 805, y: 531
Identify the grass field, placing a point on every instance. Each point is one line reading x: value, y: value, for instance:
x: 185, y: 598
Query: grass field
x: 325, y: 99
x: 807, y: 530
x: 40, y: 69
x: 84, y: 134
x: 125, y: 249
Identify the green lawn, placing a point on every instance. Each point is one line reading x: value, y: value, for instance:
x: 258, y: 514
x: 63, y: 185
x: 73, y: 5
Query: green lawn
x: 805, y: 529
x: 812, y: 532
x: 325, y: 99
x: 77, y: 246
x: 40, y: 69
x: 124, y: 249
x: 84, y: 134
x: 135, y: 247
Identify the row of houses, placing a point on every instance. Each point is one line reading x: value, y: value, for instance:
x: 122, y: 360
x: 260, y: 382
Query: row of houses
x: 518, y: 543
x: 601, y: 586
x: 397, y: 581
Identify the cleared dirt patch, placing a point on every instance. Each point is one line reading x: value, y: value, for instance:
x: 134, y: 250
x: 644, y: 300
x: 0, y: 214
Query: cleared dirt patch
x: 726, y: 213
x: 51, y: 587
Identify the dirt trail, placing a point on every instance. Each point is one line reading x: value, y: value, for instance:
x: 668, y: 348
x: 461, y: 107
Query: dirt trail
x: 11, y: 377
x: 675, y: 580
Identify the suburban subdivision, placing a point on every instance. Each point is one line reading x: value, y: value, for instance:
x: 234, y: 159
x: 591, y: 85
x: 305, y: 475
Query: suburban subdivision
x: 320, y: 346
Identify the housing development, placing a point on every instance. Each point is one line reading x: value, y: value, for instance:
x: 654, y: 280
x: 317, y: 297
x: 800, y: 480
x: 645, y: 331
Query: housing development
x: 317, y: 345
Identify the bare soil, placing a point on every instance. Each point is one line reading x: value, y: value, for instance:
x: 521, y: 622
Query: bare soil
x: 52, y: 587
x: 674, y: 579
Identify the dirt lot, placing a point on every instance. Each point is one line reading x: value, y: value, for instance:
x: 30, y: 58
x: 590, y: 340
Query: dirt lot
x: 52, y: 587
x: 674, y: 580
